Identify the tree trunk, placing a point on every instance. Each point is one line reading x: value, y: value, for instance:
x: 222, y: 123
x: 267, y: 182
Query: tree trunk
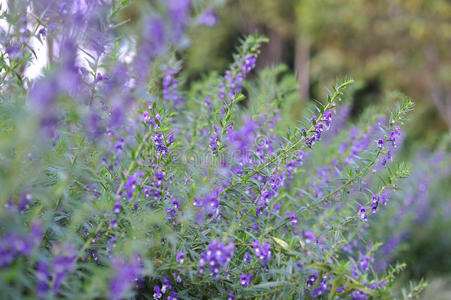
x: 272, y: 52
x: 301, y: 65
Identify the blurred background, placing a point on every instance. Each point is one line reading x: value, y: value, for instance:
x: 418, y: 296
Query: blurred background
x: 386, y: 45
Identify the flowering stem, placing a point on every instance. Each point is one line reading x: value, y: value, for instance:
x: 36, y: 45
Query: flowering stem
x: 330, y: 104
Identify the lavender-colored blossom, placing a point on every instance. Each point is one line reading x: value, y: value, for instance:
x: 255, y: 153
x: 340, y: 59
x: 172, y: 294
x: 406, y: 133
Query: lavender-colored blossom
x: 43, y: 278
x: 157, y: 292
x: 217, y: 256
x: 180, y: 257
x: 374, y: 203
x: 63, y: 264
x: 179, y: 15
x: 393, y: 136
x: 12, y: 245
x: 170, y: 85
x: 177, y: 277
x: 293, y: 219
x: 126, y: 273
x: 364, y: 264
x: 235, y: 76
x: 208, y: 18
x: 119, y: 146
x: 209, y: 206
x: 172, y: 295
x: 262, y: 252
x: 117, y: 207
x: 166, y: 286
x: 245, y: 279
x: 311, y: 280
x: 130, y: 185
x: 160, y: 143
x: 362, y: 213
x: 321, y: 289
x: 309, y: 237
x: 359, y: 295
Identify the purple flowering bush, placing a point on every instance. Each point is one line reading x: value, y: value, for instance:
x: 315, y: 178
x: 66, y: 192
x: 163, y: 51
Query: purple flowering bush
x: 118, y: 179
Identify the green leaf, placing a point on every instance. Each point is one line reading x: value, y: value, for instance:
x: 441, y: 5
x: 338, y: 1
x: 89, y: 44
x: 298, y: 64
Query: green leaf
x: 281, y: 243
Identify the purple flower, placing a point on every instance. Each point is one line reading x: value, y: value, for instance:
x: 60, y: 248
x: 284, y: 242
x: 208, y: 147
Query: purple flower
x: 157, y: 292
x: 146, y: 116
x: 311, y: 280
x: 364, y: 264
x: 166, y: 285
x: 125, y: 274
x: 131, y: 184
x: 172, y: 295
x: 235, y: 76
x: 43, y: 278
x: 231, y: 296
x: 24, y: 203
x: 394, y: 135
x: 380, y: 143
x: 245, y: 279
x: 217, y: 256
x: 170, y: 85
x: 117, y: 207
x: 207, y: 102
x: 374, y: 203
x: 63, y: 264
x: 214, y: 143
x: 113, y: 223
x: 158, y: 139
x: 208, y: 18
x: 262, y: 252
x: 359, y: 295
x: 293, y: 219
x: 362, y: 213
x: 13, y: 245
x: 247, y: 257
x: 209, y: 206
x: 309, y: 237
x: 180, y: 257
x: 177, y: 277
x: 119, y: 146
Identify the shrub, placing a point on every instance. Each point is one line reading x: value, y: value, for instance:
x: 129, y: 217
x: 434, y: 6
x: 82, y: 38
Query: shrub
x: 120, y: 180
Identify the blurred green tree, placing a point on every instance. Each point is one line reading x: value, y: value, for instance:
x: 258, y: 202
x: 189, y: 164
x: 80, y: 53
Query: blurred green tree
x: 391, y: 44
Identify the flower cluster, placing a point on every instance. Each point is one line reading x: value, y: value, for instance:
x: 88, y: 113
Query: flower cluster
x: 262, y: 251
x: 235, y: 76
x: 217, y: 255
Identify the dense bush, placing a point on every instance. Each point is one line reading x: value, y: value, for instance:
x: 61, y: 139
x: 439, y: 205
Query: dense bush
x: 119, y: 180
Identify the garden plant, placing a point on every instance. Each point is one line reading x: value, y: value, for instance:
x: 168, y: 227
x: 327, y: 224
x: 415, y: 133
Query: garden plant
x: 120, y: 179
